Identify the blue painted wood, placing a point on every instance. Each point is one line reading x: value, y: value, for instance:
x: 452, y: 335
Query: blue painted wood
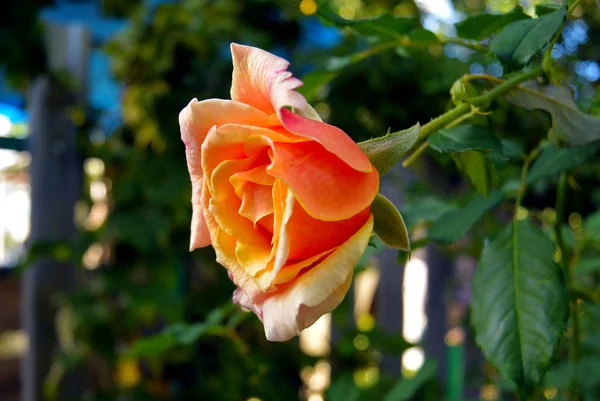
x: 12, y: 144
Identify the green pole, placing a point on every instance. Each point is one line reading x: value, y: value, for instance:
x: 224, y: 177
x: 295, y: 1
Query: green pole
x: 455, y: 359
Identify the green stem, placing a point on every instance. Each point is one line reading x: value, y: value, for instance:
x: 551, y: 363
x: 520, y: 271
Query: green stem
x: 572, y: 7
x: 528, y: 160
x: 561, y: 190
x: 481, y: 102
x: 443, y: 120
x: 485, y: 99
x: 464, y: 43
x: 415, y: 155
x: 575, y: 345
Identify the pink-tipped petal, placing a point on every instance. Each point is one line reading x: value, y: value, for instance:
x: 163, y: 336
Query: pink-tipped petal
x: 261, y: 80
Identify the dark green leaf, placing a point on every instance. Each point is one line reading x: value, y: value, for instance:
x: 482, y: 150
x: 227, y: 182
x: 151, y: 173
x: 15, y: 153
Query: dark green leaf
x: 554, y: 160
x: 568, y: 122
x: 425, y: 208
x: 423, y: 35
x: 520, y: 304
x: 511, y: 150
x: 453, y: 225
x: 588, y: 266
x: 592, y: 226
x: 387, y: 150
x: 314, y: 82
x: 483, y: 25
x: 465, y: 137
x: 405, y: 389
x: 152, y: 346
x: 519, y: 41
x: 343, y: 389
x: 385, y: 27
x: 388, y: 224
x: 541, y: 9
x: 477, y: 167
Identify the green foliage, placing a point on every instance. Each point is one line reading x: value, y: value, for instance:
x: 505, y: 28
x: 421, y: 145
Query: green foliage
x: 152, y: 305
x: 520, y: 304
x: 553, y: 160
x: 476, y: 165
x: 343, y: 389
x: 453, y: 225
x: 465, y: 137
x: 569, y: 124
x: 519, y: 41
x: 405, y: 389
x: 385, y: 151
x: 480, y: 26
x: 388, y: 224
x: 384, y: 27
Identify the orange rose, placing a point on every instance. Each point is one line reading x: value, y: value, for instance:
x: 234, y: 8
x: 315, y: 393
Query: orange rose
x: 284, y: 199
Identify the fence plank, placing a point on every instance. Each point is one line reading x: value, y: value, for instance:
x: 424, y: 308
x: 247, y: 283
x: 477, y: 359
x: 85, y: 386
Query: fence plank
x: 56, y: 176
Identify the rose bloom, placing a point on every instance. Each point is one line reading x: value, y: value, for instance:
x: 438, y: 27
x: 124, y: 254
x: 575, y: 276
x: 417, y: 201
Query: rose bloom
x: 283, y: 197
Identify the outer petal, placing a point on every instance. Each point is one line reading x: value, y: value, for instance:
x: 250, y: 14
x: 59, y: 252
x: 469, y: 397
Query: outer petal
x: 332, y: 138
x: 261, y: 80
x: 326, y: 187
x: 288, y: 311
x: 309, y: 237
x: 195, y: 121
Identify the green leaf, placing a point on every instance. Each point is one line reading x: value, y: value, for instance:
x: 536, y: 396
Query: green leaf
x: 152, y: 346
x: 587, y: 266
x: 592, y: 227
x: 480, y: 26
x: 477, y: 167
x: 314, y: 81
x: 386, y: 26
x: 424, y: 208
x: 385, y: 151
x: 388, y: 224
x: 422, y: 35
x: 405, y: 389
x: 465, y: 137
x: 453, y: 225
x: 343, y: 389
x: 520, y: 304
x: 511, y: 149
x: 519, y: 41
x: 554, y: 160
x: 568, y: 122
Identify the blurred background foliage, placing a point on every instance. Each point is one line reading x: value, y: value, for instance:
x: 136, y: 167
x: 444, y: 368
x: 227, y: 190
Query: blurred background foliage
x: 155, y: 322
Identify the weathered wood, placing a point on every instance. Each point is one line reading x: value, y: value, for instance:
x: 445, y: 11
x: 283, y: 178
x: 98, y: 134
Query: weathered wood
x: 388, y: 301
x: 56, y: 177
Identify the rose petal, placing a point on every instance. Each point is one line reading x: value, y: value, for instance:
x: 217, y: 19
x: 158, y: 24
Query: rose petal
x: 292, y: 269
x: 332, y: 138
x: 195, y: 121
x: 237, y: 141
x: 308, y: 236
x: 326, y: 187
x: 319, y: 290
x: 257, y: 202
x: 257, y: 175
x: 283, y: 202
x: 261, y: 80
x: 225, y: 204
